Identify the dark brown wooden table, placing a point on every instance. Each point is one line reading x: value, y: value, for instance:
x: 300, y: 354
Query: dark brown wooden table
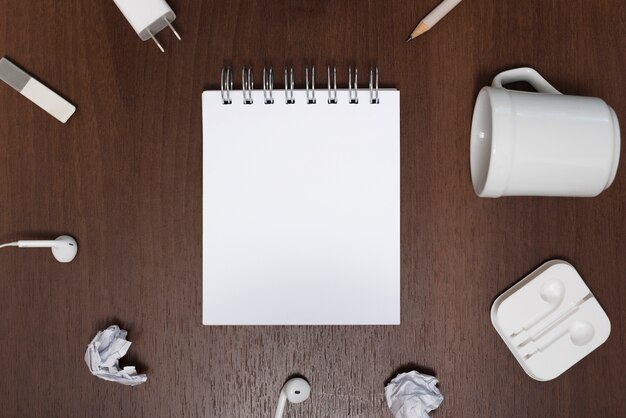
x: 124, y: 177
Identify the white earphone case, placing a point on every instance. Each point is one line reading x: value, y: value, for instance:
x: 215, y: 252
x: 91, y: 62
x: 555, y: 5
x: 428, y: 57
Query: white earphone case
x: 550, y: 320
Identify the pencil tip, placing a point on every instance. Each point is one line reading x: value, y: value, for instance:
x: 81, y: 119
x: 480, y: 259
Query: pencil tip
x: 409, y: 38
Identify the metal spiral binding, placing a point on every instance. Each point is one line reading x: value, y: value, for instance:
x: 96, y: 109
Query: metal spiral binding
x: 332, y: 94
x: 247, y: 82
x: 311, y: 99
x: 289, y: 82
x: 374, y: 87
x: 268, y: 85
x: 226, y: 83
x: 353, y: 91
x: 247, y: 78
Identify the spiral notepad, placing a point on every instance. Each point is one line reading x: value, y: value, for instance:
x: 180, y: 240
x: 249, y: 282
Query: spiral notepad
x: 301, y: 202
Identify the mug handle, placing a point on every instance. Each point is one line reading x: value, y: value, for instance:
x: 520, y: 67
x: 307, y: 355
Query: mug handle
x: 527, y: 74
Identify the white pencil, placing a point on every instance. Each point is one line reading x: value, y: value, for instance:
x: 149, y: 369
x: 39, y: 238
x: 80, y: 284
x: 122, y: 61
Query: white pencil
x: 433, y: 17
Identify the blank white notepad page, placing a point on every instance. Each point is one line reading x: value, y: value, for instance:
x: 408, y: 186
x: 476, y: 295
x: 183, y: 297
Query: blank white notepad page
x: 301, y: 210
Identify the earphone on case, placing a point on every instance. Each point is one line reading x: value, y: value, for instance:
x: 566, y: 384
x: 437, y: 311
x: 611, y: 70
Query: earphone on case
x: 553, y: 293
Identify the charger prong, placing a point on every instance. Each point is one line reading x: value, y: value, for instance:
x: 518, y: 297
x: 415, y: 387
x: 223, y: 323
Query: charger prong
x: 172, y: 28
x: 156, y: 42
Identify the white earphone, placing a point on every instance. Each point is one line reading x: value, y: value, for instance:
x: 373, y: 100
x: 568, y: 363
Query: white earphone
x: 580, y: 333
x: 64, y: 248
x: 552, y: 292
x: 295, y: 390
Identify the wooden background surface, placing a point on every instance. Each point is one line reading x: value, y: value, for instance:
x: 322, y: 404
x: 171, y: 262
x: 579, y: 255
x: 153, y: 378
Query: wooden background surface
x: 124, y: 177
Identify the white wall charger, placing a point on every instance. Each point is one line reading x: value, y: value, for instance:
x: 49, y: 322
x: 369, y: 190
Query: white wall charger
x: 148, y: 17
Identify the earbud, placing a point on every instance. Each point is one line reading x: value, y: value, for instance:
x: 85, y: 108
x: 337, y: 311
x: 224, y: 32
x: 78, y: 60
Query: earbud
x: 295, y: 390
x: 580, y: 333
x: 552, y: 292
x: 64, y: 248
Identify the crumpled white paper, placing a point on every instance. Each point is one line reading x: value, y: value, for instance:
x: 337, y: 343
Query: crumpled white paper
x: 103, y: 354
x: 413, y: 395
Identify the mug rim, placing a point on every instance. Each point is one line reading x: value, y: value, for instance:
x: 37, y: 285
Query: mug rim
x: 481, y: 159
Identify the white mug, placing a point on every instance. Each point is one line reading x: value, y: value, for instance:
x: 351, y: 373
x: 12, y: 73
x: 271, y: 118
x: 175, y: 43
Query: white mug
x: 541, y: 144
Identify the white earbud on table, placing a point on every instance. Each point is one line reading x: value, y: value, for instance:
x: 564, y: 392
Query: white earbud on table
x: 64, y: 248
x: 295, y: 390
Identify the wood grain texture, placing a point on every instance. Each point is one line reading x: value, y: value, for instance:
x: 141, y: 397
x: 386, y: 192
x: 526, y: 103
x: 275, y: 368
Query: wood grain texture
x: 124, y: 177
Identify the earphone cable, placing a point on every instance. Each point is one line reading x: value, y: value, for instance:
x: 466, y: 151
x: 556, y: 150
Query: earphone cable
x: 9, y: 244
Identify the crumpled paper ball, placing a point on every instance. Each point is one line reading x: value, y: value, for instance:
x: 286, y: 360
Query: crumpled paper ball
x: 103, y: 354
x: 413, y: 395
